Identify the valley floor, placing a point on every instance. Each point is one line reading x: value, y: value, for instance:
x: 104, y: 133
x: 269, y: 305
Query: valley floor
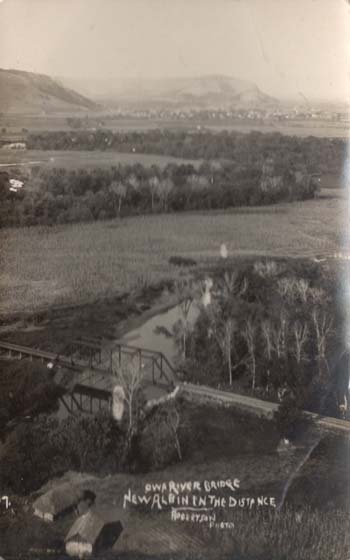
x: 81, y: 262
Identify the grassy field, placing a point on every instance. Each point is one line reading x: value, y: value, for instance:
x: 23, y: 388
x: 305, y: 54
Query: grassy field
x: 319, y: 128
x: 83, y: 159
x: 42, y: 266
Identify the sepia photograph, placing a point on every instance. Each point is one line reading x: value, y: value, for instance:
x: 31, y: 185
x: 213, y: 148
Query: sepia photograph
x: 174, y: 279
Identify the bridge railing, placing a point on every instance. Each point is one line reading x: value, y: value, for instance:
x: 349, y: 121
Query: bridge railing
x: 161, y: 370
x: 160, y: 367
x: 44, y: 356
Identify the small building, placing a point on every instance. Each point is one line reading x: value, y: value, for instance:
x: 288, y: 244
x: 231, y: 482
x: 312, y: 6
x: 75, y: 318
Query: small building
x: 15, y: 146
x: 16, y: 184
x: 92, y: 532
x: 60, y: 501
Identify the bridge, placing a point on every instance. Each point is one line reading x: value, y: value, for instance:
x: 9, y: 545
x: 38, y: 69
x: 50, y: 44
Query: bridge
x: 159, y: 373
x: 99, y: 363
x: 86, y: 399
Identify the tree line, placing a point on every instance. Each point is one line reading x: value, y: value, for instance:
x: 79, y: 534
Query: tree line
x: 57, y: 195
x: 318, y: 154
x: 268, y: 329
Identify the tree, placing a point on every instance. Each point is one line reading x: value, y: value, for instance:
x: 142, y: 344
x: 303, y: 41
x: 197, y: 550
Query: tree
x: 130, y: 375
x: 230, y: 287
x: 300, y: 333
x: 197, y: 185
x: 267, y: 337
x: 186, y: 293
x: 153, y: 188
x: 159, y: 442
x: 119, y: 191
x: 134, y: 182
x: 323, y: 328
x: 163, y: 190
x: 223, y: 328
x: 173, y: 420
x: 279, y: 335
x: 249, y: 334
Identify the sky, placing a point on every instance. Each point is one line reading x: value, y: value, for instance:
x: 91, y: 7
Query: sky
x: 289, y: 48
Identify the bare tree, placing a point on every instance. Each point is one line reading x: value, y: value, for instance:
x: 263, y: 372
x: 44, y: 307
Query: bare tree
x: 267, y: 333
x: 318, y: 296
x: 267, y: 336
x: 130, y: 374
x: 186, y: 292
x: 300, y: 335
x: 279, y: 336
x: 249, y: 334
x: 302, y: 289
x: 286, y: 288
x: 293, y: 288
x: 230, y: 287
x: 223, y: 329
x: 173, y: 420
x: 266, y: 269
x: 323, y: 326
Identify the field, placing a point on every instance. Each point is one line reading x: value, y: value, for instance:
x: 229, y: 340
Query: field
x: 83, y: 159
x: 78, y: 263
x: 321, y: 128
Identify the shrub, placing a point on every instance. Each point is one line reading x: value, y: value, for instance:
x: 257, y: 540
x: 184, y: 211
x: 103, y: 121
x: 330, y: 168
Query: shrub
x: 289, y: 417
x: 36, y: 452
x: 158, y: 444
x: 182, y: 261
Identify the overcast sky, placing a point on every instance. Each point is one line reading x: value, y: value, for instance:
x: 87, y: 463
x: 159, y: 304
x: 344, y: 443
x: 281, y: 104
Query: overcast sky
x: 287, y: 47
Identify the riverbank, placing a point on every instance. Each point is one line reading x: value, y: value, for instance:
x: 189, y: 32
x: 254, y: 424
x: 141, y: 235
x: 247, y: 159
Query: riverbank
x: 55, y: 327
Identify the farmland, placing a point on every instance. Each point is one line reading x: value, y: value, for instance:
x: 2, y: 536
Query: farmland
x: 14, y: 125
x: 83, y: 159
x: 80, y: 262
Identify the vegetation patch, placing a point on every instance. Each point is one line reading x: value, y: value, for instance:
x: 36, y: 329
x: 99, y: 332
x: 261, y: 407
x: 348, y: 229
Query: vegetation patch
x: 82, y: 262
x: 273, y: 329
x: 26, y: 389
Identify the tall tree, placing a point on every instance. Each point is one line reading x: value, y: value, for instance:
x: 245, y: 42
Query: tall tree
x: 153, y: 188
x: 130, y: 374
x: 119, y: 191
x: 163, y: 190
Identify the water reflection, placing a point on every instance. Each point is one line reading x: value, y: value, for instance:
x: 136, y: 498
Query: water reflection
x: 151, y: 334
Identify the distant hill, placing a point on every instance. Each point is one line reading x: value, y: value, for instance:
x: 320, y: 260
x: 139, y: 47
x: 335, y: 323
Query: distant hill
x: 30, y: 93
x: 205, y: 92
